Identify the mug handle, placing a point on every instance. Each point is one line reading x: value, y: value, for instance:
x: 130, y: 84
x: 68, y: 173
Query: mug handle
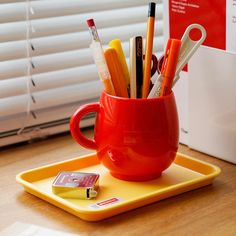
x: 75, y: 121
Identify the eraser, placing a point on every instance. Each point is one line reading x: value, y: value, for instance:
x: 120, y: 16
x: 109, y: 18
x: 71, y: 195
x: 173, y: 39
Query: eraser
x: 90, y: 22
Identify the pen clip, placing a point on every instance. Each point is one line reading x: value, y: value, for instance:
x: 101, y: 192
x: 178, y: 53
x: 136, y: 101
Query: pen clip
x: 188, y: 47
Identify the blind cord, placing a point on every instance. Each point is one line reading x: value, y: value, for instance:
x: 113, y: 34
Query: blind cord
x: 29, y: 46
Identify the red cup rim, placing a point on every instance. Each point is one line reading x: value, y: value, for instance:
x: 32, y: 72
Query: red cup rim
x: 139, y: 99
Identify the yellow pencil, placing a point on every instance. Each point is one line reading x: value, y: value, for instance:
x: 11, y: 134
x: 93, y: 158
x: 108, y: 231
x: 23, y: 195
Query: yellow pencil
x: 117, y: 75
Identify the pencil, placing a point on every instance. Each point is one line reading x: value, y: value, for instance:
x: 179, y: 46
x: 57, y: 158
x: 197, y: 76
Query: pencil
x: 99, y: 59
x: 148, y: 49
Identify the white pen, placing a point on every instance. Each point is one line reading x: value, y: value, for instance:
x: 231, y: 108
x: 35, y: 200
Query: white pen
x: 156, y: 89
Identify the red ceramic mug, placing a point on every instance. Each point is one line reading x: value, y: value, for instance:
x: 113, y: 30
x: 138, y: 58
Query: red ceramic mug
x: 136, y: 139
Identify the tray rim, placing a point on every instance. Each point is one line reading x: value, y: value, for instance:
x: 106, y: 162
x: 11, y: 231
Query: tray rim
x: 216, y: 172
x: 60, y: 202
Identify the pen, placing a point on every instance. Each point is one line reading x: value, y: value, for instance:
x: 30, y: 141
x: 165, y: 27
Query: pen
x: 156, y: 89
x: 117, y: 76
x: 99, y: 59
x: 148, y: 49
x: 132, y: 62
x: 169, y: 65
x: 136, y: 66
x: 139, y: 65
x: 116, y: 44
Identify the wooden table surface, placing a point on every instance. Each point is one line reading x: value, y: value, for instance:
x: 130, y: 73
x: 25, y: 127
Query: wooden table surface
x: 210, y: 210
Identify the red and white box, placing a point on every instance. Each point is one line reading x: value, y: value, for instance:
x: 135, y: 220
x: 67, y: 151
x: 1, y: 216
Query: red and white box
x: 205, y: 94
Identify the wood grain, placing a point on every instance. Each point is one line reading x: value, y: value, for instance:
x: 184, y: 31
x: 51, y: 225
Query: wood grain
x: 210, y: 210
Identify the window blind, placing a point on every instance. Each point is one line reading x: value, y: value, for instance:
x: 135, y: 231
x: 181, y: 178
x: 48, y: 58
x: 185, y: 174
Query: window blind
x: 49, y: 72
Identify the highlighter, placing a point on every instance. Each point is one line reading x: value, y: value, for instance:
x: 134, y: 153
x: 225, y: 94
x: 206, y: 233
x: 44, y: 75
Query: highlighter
x: 116, y: 72
x: 116, y: 44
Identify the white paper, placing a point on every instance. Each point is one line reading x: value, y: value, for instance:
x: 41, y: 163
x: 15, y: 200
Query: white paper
x: 212, y: 103
x: 22, y: 229
x: 231, y: 25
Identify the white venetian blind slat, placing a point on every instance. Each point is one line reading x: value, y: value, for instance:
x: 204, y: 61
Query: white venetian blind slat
x: 46, y: 63
x: 63, y: 75
x: 16, y: 86
x: 13, y: 1
x: 50, y: 98
x: 72, y: 41
x: 49, y: 80
x: 58, y: 61
x: 44, y: 116
x: 52, y: 8
x: 73, y: 23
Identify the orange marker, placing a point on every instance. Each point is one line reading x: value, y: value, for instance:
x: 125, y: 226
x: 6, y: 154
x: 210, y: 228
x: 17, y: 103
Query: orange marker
x: 169, y: 65
x: 117, y: 75
x: 148, y: 49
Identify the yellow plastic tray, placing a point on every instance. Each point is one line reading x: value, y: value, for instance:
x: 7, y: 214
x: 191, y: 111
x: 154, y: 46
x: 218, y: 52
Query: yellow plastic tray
x: 116, y: 196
